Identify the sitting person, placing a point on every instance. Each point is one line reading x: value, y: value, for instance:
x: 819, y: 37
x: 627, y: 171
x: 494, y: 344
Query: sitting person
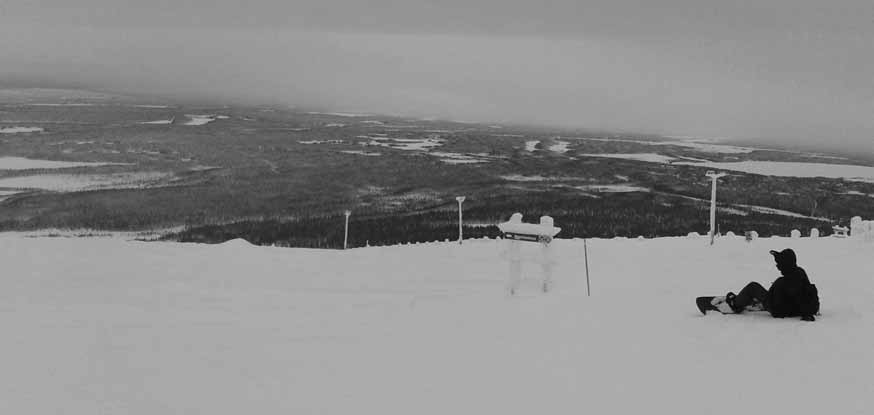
x: 791, y: 295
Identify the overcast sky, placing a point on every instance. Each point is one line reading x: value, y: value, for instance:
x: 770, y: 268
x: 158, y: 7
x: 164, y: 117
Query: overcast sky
x: 775, y: 69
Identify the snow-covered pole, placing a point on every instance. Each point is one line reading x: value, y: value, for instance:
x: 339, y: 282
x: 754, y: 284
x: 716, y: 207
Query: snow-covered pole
x: 460, y: 200
x: 346, y: 233
x: 713, y: 175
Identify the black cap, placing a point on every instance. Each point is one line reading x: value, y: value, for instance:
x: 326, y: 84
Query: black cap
x: 785, y: 257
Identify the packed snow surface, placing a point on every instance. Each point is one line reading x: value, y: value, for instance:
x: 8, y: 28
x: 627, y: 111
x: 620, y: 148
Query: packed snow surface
x: 107, y: 326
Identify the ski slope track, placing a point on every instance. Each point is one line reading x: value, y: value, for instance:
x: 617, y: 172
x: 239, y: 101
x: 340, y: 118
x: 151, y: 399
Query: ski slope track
x: 104, y: 325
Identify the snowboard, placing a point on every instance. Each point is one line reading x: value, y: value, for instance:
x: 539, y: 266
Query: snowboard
x: 717, y: 303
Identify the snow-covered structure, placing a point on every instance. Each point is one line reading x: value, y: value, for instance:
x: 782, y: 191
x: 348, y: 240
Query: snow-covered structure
x: 516, y: 229
x: 840, y: 231
x: 795, y: 234
x: 862, y: 229
x: 814, y: 233
x: 515, y: 232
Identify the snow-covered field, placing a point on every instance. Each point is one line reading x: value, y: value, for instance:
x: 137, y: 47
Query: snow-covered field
x: 108, y: 326
x: 80, y: 182
x: 795, y: 169
x: 160, y: 122
x: 648, y: 157
x: 194, y: 119
x: 406, y: 144
x: 20, y: 130
x: 612, y: 188
x: 21, y: 163
x: 559, y: 146
x: 361, y: 153
x: 767, y: 168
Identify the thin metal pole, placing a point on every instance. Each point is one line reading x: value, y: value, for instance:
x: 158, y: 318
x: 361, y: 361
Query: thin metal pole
x: 460, y: 231
x: 714, y: 176
x: 460, y: 200
x: 346, y: 233
x: 713, y: 211
x: 586, y: 256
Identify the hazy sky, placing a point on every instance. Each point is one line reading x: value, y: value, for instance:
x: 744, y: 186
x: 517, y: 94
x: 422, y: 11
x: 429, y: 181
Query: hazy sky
x: 777, y: 69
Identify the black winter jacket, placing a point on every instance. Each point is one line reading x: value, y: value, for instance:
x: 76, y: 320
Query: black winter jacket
x: 790, y: 295
x: 786, y: 296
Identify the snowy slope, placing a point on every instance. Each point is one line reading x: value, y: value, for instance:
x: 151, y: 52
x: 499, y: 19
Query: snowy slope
x: 110, y: 326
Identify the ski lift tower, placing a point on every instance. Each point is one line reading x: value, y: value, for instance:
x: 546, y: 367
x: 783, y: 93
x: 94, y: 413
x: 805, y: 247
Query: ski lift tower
x: 713, y: 175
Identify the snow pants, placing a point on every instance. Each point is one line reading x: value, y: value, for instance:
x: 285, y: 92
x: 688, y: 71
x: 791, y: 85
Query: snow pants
x: 749, y: 295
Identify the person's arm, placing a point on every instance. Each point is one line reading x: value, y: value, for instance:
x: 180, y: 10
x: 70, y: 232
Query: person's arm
x: 778, y: 303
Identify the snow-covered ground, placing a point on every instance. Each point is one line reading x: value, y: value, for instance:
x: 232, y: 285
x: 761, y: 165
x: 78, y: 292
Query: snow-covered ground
x: 696, y: 144
x: 20, y: 130
x: 406, y: 144
x: 360, y: 153
x: 649, y: 157
x: 340, y: 114
x: 559, y: 146
x: 160, y: 122
x: 194, y: 119
x: 21, y: 163
x: 612, y: 188
x: 80, y: 182
x: 457, y: 158
x: 108, y: 326
x: 794, y: 169
x: 767, y: 168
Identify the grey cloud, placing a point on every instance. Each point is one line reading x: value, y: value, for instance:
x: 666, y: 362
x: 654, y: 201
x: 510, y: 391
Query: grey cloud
x: 778, y: 69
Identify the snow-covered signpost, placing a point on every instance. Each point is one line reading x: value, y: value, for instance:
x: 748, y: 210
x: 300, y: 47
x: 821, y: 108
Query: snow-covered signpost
x: 516, y: 232
x: 346, y: 232
x: 713, y: 175
x: 460, y: 200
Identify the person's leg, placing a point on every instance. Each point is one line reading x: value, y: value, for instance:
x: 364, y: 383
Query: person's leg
x: 749, y: 295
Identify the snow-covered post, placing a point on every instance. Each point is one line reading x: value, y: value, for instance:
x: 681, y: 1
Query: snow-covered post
x: 795, y: 234
x: 346, y: 232
x: 857, y: 227
x: 514, y: 258
x: 460, y: 200
x: 713, y: 175
x: 814, y: 233
x: 869, y: 230
x: 514, y: 233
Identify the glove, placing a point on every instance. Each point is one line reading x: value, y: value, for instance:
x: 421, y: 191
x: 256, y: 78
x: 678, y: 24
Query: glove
x: 808, y: 318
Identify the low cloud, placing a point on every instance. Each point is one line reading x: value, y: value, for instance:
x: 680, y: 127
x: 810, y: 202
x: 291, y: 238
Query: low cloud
x: 798, y: 90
